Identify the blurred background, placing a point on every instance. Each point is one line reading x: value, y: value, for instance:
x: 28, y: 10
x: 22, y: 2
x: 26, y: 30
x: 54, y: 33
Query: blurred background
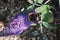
x: 9, y: 8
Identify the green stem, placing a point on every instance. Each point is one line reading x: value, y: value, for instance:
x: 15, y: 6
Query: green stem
x: 41, y: 27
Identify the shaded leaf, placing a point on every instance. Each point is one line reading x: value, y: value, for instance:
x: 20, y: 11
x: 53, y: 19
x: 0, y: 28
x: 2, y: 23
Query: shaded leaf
x: 48, y: 17
x: 48, y: 26
x: 29, y: 8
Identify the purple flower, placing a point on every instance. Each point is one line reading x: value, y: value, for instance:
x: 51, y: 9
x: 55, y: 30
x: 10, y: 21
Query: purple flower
x: 18, y: 24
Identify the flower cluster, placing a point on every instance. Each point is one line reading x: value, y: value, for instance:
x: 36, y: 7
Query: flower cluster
x: 19, y: 23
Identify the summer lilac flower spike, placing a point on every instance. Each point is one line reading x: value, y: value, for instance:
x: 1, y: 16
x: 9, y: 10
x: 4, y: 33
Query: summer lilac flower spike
x: 18, y: 24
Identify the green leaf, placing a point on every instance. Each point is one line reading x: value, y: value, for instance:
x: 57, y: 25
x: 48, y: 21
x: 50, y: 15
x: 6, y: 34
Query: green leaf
x: 48, y: 17
x: 43, y: 9
x: 46, y: 14
x: 48, y: 26
x: 40, y: 1
x: 31, y: 7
